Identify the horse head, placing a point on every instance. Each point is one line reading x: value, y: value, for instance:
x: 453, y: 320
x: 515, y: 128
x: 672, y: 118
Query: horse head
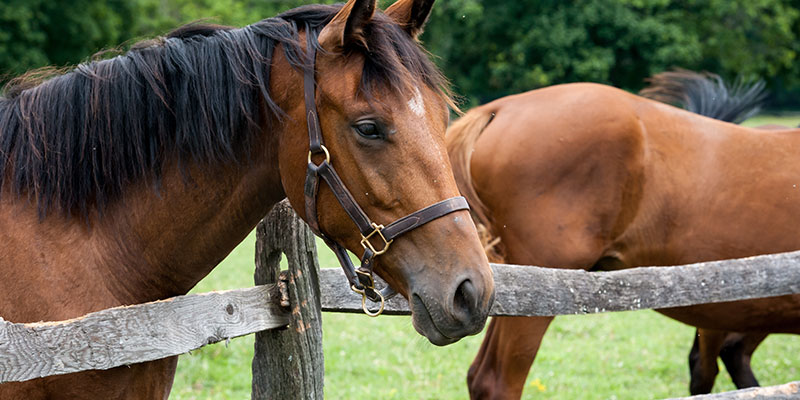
x: 382, y: 114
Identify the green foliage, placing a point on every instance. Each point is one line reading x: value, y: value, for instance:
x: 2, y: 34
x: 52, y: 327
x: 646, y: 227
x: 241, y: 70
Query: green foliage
x: 491, y: 50
x: 35, y: 33
x: 161, y: 16
x: 756, y: 38
x: 488, y: 48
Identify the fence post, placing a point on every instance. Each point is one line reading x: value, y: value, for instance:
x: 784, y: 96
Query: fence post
x: 288, y: 363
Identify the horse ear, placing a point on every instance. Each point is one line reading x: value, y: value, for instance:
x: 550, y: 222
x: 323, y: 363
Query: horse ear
x: 411, y: 14
x: 346, y: 29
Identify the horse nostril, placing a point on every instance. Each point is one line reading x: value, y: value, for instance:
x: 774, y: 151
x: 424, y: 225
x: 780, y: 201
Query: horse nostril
x: 465, y: 300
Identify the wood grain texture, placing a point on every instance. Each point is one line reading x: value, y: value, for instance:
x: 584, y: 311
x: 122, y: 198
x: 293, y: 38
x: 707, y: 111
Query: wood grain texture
x: 536, y: 291
x: 787, y: 391
x: 133, y: 334
x: 289, y: 364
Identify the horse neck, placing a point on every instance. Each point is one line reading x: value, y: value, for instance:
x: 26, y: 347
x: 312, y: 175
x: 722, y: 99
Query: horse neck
x: 172, y: 239
x: 176, y: 237
x: 160, y: 244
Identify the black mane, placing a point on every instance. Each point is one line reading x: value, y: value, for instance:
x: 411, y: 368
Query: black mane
x: 73, y: 141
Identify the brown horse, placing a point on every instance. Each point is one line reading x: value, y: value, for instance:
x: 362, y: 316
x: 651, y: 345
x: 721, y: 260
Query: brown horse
x: 586, y: 176
x: 709, y: 95
x: 127, y: 180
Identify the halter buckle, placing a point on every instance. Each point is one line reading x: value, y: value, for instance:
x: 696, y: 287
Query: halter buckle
x: 327, y: 155
x: 378, y: 230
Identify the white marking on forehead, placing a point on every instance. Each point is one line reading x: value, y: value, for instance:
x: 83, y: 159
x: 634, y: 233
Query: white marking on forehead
x: 416, y: 104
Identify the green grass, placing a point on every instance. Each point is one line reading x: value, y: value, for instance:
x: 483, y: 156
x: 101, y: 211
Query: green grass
x: 787, y: 119
x: 632, y: 355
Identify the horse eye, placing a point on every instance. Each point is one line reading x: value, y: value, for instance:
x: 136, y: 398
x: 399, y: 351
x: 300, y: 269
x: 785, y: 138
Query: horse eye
x: 368, y: 129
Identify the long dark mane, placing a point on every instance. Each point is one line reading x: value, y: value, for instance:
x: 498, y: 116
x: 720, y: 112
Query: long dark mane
x: 73, y: 141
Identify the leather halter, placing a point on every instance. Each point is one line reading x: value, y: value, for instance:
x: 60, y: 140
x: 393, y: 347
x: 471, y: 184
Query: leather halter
x: 361, y: 281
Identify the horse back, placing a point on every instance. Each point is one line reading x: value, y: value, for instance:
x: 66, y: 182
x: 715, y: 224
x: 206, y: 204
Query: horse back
x: 609, y: 166
x: 588, y: 176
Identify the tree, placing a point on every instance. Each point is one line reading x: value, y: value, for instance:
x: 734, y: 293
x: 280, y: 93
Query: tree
x: 35, y: 33
x: 488, y: 48
x: 491, y: 50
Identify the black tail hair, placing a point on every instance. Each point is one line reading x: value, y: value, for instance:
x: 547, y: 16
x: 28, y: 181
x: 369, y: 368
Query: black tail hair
x: 708, y: 94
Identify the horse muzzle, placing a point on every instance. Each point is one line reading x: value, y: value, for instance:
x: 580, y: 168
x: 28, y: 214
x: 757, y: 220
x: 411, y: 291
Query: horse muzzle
x: 444, y: 317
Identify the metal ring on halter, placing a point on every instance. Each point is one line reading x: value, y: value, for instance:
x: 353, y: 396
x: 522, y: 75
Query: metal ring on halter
x: 327, y: 155
x: 366, y: 310
x: 364, y: 307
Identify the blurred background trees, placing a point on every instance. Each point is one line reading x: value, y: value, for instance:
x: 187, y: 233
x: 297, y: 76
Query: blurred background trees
x: 487, y: 48
x: 35, y: 33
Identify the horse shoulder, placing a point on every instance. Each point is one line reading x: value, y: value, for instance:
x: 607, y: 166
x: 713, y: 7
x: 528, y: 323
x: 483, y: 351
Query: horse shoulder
x: 47, y: 265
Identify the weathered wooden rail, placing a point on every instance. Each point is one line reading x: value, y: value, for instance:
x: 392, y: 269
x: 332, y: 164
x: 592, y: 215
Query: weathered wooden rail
x: 536, y: 291
x: 288, y: 362
x: 128, y: 335
x: 788, y: 391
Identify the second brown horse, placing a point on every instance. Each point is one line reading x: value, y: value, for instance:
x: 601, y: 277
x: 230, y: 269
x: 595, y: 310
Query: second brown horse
x: 586, y: 176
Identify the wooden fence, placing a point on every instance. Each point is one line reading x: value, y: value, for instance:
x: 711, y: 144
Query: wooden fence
x: 285, y: 311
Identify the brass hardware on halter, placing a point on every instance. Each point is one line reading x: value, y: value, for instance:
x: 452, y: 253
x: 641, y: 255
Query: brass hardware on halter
x: 378, y: 231
x: 364, y: 307
x: 327, y: 155
x: 370, y: 280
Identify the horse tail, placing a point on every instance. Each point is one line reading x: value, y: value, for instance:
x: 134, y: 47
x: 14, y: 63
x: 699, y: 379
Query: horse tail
x: 460, y: 140
x: 708, y: 94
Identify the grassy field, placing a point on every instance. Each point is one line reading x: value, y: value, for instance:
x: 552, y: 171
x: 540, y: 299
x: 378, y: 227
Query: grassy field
x: 631, y: 355
x: 787, y: 119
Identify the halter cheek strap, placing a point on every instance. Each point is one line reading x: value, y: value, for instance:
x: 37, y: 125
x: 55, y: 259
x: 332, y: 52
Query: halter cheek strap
x: 361, y: 280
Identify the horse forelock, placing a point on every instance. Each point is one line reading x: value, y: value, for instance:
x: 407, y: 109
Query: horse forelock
x: 74, y: 140
x: 392, y: 59
x: 399, y: 62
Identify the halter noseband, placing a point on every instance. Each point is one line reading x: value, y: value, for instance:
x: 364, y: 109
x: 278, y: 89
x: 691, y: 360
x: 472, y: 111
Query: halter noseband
x: 360, y: 280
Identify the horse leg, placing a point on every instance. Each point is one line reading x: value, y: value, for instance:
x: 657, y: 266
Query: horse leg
x: 736, y: 354
x: 501, y: 367
x: 694, y: 353
x: 703, y: 360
